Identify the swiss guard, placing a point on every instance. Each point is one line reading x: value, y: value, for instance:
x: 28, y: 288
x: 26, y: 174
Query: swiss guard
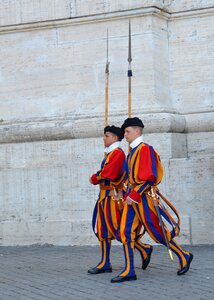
x: 143, y: 204
x: 108, y: 209
x: 110, y: 178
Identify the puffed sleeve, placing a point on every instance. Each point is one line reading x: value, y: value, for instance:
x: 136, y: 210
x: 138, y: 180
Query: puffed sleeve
x: 113, y: 166
x: 111, y: 169
x: 147, y: 172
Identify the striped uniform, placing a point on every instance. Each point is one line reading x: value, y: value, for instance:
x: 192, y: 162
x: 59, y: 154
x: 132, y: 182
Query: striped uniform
x: 106, y: 216
x: 145, y: 170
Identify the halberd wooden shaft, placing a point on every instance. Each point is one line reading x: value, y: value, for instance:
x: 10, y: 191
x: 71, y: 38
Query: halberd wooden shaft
x: 129, y: 98
x: 106, y: 84
x: 129, y: 74
x: 129, y: 77
x: 106, y: 100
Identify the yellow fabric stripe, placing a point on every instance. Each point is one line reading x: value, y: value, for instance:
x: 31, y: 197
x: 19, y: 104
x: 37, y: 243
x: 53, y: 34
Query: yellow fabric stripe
x: 137, y: 188
x: 123, y: 223
x: 104, y: 255
x: 144, y: 245
x: 141, y: 210
x: 110, y: 232
x: 134, y: 180
x: 139, y: 247
x: 114, y: 215
x: 180, y: 251
x: 135, y: 224
x: 126, y: 272
x: 102, y: 195
x: 133, y: 228
x: 99, y: 224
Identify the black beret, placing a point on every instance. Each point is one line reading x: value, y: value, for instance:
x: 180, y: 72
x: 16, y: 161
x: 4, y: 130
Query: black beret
x: 132, y: 122
x: 116, y: 130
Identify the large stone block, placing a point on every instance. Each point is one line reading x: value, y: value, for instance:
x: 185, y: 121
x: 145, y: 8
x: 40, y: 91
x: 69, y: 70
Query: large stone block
x: 187, y: 5
x: 44, y: 185
x: 58, y: 72
x: 45, y: 191
x: 27, y: 11
x: 168, y: 145
x: 52, y: 85
x: 191, y: 63
x: 200, y: 144
x: 190, y: 186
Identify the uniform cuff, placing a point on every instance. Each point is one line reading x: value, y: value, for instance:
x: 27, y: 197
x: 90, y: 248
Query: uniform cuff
x: 135, y: 196
x: 94, y: 179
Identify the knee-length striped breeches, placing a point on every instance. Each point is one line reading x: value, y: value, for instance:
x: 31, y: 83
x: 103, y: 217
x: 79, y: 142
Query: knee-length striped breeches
x: 106, y: 217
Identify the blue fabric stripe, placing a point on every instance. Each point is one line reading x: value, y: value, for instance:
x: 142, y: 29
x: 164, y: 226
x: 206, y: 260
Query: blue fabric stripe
x: 133, y: 164
x: 150, y: 222
x: 129, y: 221
x: 138, y: 210
x: 124, y: 169
x: 174, y: 225
x: 125, y: 259
x: 108, y: 248
x: 110, y: 215
x: 118, y: 233
x: 103, y: 162
x: 154, y: 166
x: 133, y: 168
x: 107, y: 182
x: 142, y: 187
x: 104, y: 227
x: 178, y: 255
x: 94, y: 217
x: 131, y: 259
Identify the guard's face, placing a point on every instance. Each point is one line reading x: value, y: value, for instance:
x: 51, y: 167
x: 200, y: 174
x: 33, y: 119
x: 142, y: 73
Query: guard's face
x: 109, y: 138
x: 131, y: 133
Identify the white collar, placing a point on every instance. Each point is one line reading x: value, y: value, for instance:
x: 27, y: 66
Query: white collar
x: 112, y: 147
x: 136, y: 142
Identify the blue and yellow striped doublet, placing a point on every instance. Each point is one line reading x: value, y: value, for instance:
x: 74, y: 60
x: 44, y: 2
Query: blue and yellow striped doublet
x: 145, y: 170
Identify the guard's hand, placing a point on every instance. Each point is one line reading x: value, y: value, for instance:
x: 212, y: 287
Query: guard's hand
x: 90, y: 180
x: 129, y: 200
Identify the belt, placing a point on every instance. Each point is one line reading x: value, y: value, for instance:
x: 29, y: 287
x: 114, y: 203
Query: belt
x: 106, y: 188
x: 110, y: 188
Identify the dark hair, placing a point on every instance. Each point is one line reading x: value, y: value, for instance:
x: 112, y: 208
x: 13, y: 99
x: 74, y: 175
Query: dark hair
x: 115, y: 130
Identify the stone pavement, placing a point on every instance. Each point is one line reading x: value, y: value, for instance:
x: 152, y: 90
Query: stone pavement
x: 60, y: 272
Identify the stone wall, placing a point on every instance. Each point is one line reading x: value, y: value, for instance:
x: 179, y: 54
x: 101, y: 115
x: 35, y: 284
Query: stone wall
x: 52, y: 64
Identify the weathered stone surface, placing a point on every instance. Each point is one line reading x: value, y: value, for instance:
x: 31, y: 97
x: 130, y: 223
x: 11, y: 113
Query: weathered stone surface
x: 26, y: 11
x: 46, y: 195
x: 187, y: 5
x: 200, y: 144
x: 193, y: 194
x: 65, y: 128
x: 191, y: 63
x: 45, y: 192
x: 52, y: 109
x: 13, y: 12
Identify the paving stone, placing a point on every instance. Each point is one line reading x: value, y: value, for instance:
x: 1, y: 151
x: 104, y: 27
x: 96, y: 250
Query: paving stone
x: 60, y: 273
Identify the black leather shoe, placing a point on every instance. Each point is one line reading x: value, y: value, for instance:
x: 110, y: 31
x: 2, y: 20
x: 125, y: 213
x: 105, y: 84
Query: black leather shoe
x: 123, y: 278
x: 99, y: 271
x: 147, y: 260
x: 186, y: 268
